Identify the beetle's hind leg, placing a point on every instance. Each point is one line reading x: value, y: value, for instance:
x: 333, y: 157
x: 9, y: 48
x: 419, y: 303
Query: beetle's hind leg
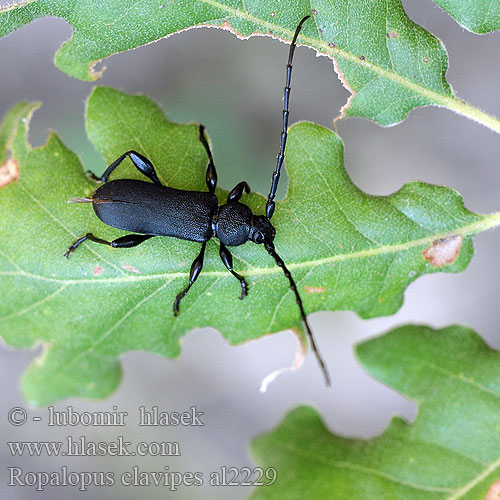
x: 227, y: 258
x: 140, y: 162
x: 128, y: 241
x: 196, y: 268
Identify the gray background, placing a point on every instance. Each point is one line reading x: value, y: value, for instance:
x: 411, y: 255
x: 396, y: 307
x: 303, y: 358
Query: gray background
x: 235, y: 89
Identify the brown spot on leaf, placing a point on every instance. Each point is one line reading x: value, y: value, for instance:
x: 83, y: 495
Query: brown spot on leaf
x: 9, y: 172
x: 392, y: 34
x: 96, y: 73
x: 98, y: 270
x: 314, y: 289
x: 494, y: 491
x: 13, y: 5
x: 362, y: 58
x: 314, y: 11
x: 130, y: 268
x: 444, y: 251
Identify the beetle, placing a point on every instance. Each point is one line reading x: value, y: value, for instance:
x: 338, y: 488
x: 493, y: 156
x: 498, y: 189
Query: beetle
x: 151, y: 209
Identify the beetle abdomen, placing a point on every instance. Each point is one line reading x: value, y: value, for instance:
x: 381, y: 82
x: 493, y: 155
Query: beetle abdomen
x: 143, y: 207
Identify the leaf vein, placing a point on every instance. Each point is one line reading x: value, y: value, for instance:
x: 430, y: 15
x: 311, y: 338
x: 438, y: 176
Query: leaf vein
x: 360, y: 468
x: 61, y: 224
x: 34, y: 305
x: 487, y: 222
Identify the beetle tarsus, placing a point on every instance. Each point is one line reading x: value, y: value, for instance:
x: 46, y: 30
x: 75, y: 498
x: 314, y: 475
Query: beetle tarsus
x: 128, y: 241
x: 92, y: 176
x: 76, y: 244
x: 211, y: 175
x: 244, y: 289
x: 227, y: 259
x: 196, y: 268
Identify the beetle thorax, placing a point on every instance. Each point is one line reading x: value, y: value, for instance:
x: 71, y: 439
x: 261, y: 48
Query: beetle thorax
x: 235, y: 224
x: 232, y: 224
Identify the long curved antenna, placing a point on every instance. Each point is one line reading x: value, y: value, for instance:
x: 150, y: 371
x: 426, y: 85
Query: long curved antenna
x: 280, y: 263
x: 284, y: 132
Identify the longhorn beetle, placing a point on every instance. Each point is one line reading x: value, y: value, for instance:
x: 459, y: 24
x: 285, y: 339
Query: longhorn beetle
x: 152, y: 209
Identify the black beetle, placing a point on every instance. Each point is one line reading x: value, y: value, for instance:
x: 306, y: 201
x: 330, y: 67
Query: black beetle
x: 152, y: 209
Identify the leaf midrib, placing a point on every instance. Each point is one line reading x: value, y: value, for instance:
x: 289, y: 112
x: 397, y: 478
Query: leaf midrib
x: 455, y: 493
x: 486, y: 222
x: 448, y: 101
x: 344, y: 464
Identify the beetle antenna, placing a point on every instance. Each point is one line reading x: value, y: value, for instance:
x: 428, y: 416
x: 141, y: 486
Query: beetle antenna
x: 284, y: 132
x: 279, y: 261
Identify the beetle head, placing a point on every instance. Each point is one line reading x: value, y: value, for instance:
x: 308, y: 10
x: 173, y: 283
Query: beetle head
x: 262, y: 230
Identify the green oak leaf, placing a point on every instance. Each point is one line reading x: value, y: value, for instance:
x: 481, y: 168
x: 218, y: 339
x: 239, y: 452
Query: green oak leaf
x: 450, y: 452
x: 479, y: 16
x: 388, y: 63
x: 9, y: 126
x: 346, y: 249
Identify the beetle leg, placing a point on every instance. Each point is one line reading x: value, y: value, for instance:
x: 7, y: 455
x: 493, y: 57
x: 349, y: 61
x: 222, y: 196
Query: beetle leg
x: 227, y: 258
x: 140, y: 162
x: 237, y: 192
x: 211, y: 176
x: 128, y: 241
x: 196, y: 268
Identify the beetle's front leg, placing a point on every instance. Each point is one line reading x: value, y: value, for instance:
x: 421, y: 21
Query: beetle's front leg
x: 227, y: 258
x: 196, y: 268
x: 128, y: 241
x: 237, y: 192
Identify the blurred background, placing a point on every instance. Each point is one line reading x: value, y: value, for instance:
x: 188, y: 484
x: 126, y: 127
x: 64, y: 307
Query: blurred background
x: 235, y: 88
